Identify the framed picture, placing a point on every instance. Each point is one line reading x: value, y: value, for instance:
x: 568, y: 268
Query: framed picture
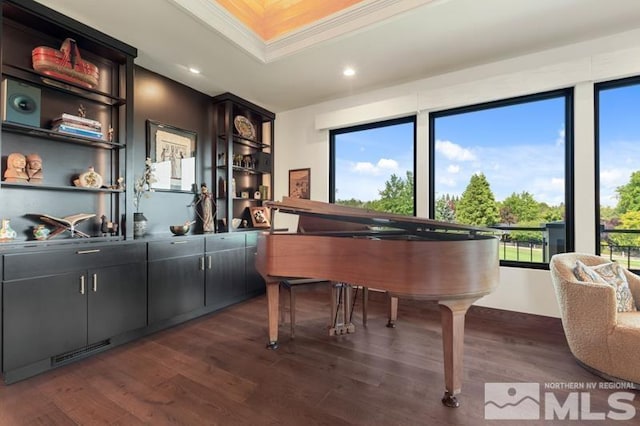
x: 300, y: 183
x: 260, y: 217
x: 173, y: 153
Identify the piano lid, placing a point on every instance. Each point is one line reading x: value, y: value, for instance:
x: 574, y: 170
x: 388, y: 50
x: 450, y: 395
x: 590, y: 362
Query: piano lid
x: 370, y: 217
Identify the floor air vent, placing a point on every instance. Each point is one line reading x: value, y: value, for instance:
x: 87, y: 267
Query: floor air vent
x: 78, y: 353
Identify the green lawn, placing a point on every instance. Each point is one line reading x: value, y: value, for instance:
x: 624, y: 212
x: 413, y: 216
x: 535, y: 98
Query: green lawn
x: 522, y: 254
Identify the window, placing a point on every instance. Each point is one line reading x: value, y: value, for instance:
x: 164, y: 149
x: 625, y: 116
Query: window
x: 372, y: 166
x: 618, y: 170
x: 507, y: 165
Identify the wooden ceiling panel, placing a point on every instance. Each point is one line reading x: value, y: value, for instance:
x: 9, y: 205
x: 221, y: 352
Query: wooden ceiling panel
x: 272, y: 18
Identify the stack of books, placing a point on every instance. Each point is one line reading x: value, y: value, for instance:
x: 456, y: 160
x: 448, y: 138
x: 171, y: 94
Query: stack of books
x: 79, y: 126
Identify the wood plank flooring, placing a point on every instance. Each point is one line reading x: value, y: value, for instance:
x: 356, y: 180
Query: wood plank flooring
x: 216, y: 370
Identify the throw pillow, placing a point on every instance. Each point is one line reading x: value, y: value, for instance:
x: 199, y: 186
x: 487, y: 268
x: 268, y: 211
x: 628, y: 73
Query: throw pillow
x: 611, y: 274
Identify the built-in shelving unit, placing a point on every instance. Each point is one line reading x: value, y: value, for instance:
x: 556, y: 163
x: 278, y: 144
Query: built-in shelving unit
x: 27, y: 25
x: 243, y: 159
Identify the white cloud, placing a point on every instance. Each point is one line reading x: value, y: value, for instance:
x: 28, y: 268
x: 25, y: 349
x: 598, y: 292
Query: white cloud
x: 557, y: 183
x: 561, y: 137
x: 450, y: 182
x: 453, y: 168
x: 384, y: 165
x: 388, y: 164
x: 613, y: 177
x: 454, y: 151
x: 365, y: 168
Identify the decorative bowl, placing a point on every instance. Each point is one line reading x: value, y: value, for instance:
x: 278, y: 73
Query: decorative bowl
x: 179, y: 229
x: 235, y: 222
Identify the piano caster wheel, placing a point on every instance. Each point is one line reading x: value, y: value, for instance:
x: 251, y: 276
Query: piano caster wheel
x: 450, y: 400
x: 272, y: 345
x: 391, y: 324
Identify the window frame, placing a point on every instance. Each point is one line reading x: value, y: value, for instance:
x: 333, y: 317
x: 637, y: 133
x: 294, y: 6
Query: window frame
x: 598, y: 88
x: 373, y: 125
x: 569, y: 176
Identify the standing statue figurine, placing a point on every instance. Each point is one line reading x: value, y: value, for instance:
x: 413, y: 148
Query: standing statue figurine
x: 204, y: 208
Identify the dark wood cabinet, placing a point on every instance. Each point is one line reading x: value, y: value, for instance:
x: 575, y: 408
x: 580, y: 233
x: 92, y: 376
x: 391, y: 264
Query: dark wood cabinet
x: 255, y: 282
x: 117, y: 300
x: 176, y: 278
x: 43, y: 317
x: 66, y: 300
x: 225, y: 279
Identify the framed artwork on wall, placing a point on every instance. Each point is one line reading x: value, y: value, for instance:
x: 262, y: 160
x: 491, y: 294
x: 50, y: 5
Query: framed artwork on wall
x: 300, y: 183
x: 173, y: 152
x: 260, y: 217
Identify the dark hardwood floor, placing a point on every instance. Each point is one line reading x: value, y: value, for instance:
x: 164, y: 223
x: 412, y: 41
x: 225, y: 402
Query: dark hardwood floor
x: 216, y: 370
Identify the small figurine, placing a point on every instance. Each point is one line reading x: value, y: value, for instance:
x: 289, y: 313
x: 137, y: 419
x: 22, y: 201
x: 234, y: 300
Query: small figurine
x: 40, y: 232
x: 110, y: 134
x: 34, y: 168
x: 108, y: 227
x: 16, y: 163
x: 82, y: 111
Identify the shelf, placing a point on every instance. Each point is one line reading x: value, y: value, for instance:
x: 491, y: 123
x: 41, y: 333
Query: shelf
x: 34, y: 77
x: 61, y: 137
x: 241, y: 140
x: 245, y: 170
x: 57, y: 187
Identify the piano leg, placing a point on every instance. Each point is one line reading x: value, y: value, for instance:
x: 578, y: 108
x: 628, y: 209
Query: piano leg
x: 273, y: 301
x: 393, y: 311
x: 452, y: 314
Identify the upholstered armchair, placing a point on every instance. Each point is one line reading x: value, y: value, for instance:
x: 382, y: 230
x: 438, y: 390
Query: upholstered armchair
x: 604, y: 340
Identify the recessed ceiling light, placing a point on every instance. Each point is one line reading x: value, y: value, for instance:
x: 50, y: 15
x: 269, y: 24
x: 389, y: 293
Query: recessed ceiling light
x: 349, y: 72
x: 194, y: 70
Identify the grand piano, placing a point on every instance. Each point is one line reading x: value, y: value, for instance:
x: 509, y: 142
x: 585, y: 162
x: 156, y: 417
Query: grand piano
x: 408, y: 257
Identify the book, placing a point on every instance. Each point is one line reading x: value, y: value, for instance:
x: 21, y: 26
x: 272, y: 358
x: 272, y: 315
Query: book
x: 59, y: 121
x: 63, y: 128
x: 80, y: 120
x: 67, y: 223
x: 70, y: 221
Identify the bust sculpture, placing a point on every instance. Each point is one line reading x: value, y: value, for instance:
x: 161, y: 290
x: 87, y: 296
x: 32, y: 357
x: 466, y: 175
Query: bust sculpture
x: 34, y: 168
x: 16, y: 163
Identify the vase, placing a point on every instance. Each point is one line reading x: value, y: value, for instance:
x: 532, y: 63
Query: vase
x: 6, y: 232
x: 139, y: 225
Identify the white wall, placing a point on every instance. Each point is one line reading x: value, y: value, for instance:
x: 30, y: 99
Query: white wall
x: 302, y: 135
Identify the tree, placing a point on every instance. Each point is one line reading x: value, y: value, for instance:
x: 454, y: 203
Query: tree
x: 397, y: 196
x: 507, y: 216
x: 629, y: 195
x: 629, y: 220
x: 477, y: 206
x: 446, y: 208
x: 551, y: 213
x: 523, y: 206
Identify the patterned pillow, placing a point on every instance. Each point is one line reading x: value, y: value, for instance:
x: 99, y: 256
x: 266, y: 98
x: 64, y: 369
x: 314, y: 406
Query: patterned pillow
x: 611, y: 274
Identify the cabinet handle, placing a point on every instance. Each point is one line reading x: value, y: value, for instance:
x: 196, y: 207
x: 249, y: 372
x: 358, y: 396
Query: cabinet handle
x: 95, y: 283
x: 88, y: 251
x: 81, y: 284
x: 202, y: 263
x: 179, y: 242
x: 209, y: 261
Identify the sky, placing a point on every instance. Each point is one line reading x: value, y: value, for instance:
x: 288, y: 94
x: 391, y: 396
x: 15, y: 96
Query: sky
x: 518, y: 148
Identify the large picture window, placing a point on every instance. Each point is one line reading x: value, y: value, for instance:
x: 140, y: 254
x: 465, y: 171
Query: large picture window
x: 618, y: 176
x: 372, y: 166
x: 507, y: 165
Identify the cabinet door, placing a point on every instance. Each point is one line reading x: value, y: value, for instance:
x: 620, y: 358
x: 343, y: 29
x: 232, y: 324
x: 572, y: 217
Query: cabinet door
x: 176, y: 286
x: 117, y: 300
x: 43, y: 317
x: 226, y: 277
x: 255, y: 282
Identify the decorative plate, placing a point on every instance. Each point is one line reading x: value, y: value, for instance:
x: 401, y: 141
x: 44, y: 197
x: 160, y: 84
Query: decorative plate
x: 244, y: 127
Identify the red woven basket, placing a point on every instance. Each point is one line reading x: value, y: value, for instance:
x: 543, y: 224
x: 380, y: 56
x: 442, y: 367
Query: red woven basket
x: 65, y: 64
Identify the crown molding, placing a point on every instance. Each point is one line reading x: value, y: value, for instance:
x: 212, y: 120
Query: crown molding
x: 351, y: 19
x: 223, y: 22
x: 348, y: 20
